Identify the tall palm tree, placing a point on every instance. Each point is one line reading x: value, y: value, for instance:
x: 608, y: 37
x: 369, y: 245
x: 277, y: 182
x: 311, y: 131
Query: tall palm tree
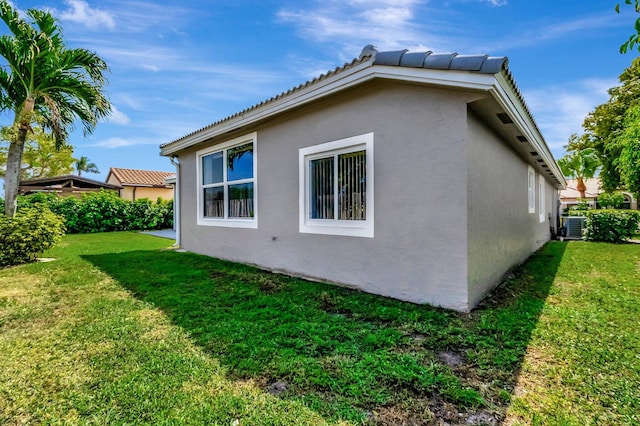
x: 42, y: 78
x: 580, y: 165
x: 83, y: 165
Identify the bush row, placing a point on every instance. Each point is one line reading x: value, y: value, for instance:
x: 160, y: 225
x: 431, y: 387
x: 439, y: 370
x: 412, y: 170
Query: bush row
x: 104, y: 212
x: 30, y: 232
x: 610, y: 225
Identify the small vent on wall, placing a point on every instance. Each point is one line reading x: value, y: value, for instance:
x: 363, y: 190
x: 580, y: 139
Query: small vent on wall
x: 504, y: 117
x: 539, y: 160
x: 522, y: 138
x: 533, y: 153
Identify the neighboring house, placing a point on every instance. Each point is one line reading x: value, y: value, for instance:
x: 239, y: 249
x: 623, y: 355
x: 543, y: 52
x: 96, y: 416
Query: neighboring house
x: 64, y: 186
x: 418, y: 176
x: 570, y: 195
x: 137, y: 184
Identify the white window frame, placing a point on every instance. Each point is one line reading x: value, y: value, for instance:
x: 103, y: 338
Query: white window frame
x: 541, y: 204
x: 231, y: 222
x: 352, y: 228
x: 531, y: 189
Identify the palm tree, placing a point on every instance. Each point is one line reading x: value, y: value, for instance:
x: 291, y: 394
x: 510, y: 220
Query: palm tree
x: 42, y: 78
x: 580, y: 165
x: 83, y: 165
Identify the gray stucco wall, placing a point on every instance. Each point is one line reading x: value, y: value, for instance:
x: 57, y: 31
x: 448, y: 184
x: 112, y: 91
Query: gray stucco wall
x: 419, y: 251
x: 451, y: 206
x: 501, y: 232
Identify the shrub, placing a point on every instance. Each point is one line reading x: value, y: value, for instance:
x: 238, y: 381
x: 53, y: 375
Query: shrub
x: 578, y: 209
x: 105, y: 211
x: 611, y: 200
x: 30, y: 232
x: 611, y: 225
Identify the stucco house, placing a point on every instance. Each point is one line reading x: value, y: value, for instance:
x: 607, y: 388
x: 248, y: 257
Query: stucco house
x: 137, y: 184
x: 414, y: 175
x: 570, y: 196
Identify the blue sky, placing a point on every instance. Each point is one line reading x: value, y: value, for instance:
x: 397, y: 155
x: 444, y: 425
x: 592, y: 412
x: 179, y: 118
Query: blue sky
x: 177, y: 66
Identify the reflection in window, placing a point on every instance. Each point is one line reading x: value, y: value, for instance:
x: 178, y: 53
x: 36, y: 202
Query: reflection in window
x: 228, y: 183
x: 212, y: 168
x: 240, y: 162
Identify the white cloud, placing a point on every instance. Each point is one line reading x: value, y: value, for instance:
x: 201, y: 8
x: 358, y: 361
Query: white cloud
x: 560, y: 110
x: 389, y: 24
x: 114, y: 142
x: 118, y: 117
x: 120, y: 142
x: 80, y: 12
x: 496, y: 2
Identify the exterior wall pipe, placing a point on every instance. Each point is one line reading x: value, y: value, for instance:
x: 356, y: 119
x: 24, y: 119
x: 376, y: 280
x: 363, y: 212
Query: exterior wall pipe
x: 176, y: 201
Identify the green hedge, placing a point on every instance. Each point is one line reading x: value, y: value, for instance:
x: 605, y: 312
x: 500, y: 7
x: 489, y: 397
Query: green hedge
x: 105, y: 211
x: 29, y: 233
x: 610, y: 225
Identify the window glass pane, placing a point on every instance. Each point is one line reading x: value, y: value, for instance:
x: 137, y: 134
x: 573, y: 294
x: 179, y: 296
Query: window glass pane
x: 240, y: 162
x: 214, y: 202
x: 212, y: 168
x: 352, y: 185
x: 241, y: 200
x: 321, y: 188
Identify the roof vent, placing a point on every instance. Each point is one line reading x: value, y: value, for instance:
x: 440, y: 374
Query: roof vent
x: 504, y: 117
x: 540, y: 160
x: 534, y: 153
x: 521, y: 138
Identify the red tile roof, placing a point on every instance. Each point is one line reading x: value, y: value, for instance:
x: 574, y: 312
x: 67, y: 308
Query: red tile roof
x: 134, y: 177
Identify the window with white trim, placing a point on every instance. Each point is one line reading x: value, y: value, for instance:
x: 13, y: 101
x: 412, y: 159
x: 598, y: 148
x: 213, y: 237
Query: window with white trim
x: 531, y: 184
x: 541, y: 203
x: 227, y: 184
x: 336, y: 187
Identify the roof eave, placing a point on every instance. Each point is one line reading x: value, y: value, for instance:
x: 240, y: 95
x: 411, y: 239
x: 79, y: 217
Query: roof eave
x: 504, y: 93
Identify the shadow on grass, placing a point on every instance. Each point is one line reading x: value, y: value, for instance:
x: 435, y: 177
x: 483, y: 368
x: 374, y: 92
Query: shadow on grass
x: 347, y: 354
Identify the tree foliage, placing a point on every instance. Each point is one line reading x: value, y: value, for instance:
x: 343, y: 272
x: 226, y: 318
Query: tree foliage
x: 41, y: 157
x: 608, y: 129
x: 634, y: 39
x: 83, y: 164
x: 611, y: 200
x: 580, y: 165
x: 41, y: 78
x: 628, y: 141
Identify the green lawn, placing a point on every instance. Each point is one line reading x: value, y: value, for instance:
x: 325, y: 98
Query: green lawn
x: 121, y: 330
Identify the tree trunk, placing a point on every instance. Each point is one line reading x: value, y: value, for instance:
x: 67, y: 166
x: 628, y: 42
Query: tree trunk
x: 581, y: 187
x: 12, y: 177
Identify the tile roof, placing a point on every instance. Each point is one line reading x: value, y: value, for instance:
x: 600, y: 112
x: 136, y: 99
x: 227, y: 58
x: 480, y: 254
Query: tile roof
x: 135, y: 177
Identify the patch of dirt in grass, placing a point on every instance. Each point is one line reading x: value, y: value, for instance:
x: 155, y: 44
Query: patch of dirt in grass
x: 412, y: 412
x: 217, y: 274
x: 451, y: 359
x: 268, y: 282
x: 433, y: 412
